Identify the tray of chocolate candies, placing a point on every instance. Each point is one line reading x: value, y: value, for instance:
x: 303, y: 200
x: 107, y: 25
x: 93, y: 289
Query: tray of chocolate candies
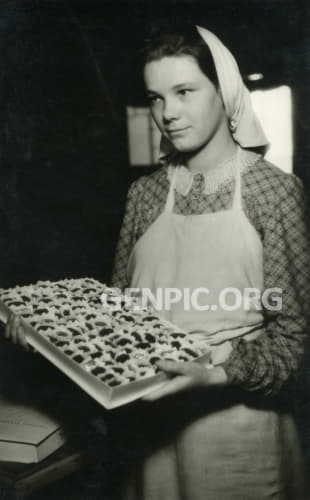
x: 109, y: 347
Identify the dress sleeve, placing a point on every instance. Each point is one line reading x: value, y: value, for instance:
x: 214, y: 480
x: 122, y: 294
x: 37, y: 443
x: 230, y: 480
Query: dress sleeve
x: 274, y: 358
x: 127, y: 237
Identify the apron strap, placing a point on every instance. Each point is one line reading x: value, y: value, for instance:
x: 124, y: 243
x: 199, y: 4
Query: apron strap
x: 170, y: 198
x: 237, y: 201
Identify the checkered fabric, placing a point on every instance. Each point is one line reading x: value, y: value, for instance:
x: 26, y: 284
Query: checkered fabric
x: 274, y: 204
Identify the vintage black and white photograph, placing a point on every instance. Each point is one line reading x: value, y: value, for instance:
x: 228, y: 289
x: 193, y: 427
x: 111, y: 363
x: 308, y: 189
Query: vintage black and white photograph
x: 155, y: 250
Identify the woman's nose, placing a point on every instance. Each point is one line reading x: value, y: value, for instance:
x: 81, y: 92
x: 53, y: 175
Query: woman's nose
x: 170, y: 111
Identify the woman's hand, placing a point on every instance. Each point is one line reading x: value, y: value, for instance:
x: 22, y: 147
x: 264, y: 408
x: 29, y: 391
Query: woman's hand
x: 15, y: 331
x: 187, y: 375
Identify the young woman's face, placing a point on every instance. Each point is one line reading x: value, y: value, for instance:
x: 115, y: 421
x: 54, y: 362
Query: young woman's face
x: 185, y: 104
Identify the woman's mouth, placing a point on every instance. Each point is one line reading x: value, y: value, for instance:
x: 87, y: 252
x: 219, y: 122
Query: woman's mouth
x: 177, y: 131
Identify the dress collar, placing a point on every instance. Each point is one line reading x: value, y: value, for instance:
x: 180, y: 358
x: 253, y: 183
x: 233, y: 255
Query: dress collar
x: 223, y: 173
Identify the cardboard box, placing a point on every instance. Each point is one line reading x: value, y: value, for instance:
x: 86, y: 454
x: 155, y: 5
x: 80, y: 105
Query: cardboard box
x: 27, y: 434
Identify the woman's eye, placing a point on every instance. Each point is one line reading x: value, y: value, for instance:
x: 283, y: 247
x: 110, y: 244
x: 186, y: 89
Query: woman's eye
x: 153, y: 99
x: 184, y: 91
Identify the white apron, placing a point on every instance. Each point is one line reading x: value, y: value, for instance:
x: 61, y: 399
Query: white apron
x: 225, y: 450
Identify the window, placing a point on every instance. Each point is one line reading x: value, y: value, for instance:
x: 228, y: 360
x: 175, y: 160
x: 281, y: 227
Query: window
x: 274, y: 110
x: 143, y: 137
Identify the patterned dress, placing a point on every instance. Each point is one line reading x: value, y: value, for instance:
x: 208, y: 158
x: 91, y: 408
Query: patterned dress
x: 275, y: 205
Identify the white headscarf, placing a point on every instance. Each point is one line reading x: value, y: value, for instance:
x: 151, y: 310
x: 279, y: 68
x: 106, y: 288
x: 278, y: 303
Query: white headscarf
x: 244, y: 125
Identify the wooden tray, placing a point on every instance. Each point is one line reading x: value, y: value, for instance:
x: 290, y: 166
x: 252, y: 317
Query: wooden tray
x: 109, y: 397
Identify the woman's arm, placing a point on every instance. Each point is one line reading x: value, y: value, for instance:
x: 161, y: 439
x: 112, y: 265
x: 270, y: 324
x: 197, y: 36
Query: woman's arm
x: 127, y: 238
x: 268, y: 362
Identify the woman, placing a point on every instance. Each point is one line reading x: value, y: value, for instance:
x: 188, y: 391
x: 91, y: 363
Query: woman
x: 215, y: 216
